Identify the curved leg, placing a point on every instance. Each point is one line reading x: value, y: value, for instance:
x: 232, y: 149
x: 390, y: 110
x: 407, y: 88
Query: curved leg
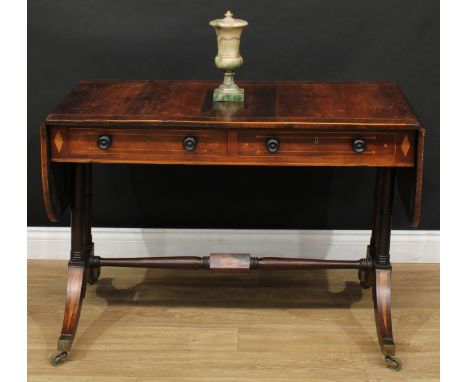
x: 76, y: 288
x: 383, y: 316
x: 78, y: 268
x: 382, y: 270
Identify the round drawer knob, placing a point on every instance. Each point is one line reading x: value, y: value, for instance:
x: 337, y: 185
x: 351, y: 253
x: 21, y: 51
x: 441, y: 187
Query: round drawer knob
x: 272, y: 145
x: 104, y: 142
x: 190, y: 143
x: 359, y: 146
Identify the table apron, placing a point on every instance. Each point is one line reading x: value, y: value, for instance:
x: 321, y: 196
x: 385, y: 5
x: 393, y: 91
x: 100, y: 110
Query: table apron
x: 217, y: 146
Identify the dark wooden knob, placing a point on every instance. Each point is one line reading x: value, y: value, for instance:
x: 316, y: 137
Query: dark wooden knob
x: 359, y: 146
x: 190, y: 143
x: 272, y: 145
x: 104, y: 142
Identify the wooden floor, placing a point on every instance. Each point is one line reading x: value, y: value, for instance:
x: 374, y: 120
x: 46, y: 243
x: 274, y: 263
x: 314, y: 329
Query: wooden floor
x: 173, y: 325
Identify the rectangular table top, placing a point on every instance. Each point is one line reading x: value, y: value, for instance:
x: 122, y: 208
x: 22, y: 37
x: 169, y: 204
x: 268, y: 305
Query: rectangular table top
x: 188, y: 103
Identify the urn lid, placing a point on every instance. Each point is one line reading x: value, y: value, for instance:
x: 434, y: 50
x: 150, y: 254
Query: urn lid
x: 228, y: 22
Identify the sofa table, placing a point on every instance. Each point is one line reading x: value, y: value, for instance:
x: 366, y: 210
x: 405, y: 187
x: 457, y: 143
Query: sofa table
x: 278, y: 124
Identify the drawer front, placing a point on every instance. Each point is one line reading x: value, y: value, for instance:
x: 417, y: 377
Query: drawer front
x: 316, y: 144
x: 151, y: 143
x: 367, y: 148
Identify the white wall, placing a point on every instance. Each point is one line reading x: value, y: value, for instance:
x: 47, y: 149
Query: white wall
x: 406, y: 246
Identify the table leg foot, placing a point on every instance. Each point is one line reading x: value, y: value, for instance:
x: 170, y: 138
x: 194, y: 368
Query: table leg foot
x: 383, y: 316
x: 76, y: 288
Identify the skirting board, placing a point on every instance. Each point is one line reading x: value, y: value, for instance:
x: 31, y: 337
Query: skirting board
x: 406, y: 246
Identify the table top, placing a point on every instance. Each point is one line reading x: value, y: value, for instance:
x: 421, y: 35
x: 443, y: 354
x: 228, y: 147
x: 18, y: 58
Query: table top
x: 324, y: 117
x: 272, y: 104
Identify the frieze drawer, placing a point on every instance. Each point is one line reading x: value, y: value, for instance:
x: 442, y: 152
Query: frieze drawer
x: 365, y: 147
x: 150, y: 143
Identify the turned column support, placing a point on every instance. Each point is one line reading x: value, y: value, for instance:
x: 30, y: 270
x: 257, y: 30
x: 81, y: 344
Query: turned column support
x: 384, y: 219
x: 78, y: 252
x: 87, y: 209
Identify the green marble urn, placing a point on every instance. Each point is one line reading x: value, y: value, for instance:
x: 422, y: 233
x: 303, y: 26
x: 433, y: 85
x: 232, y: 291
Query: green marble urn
x: 228, y: 33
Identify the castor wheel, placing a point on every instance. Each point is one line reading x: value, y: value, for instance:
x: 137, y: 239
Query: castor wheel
x: 58, y: 358
x: 392, y: 363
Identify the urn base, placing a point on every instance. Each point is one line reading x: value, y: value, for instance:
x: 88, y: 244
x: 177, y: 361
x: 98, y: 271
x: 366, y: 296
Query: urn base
x: 222, y: 94
x: 228, y: 91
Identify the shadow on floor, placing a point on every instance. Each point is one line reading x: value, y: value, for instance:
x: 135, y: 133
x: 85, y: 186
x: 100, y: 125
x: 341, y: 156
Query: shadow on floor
x: 256, y: 289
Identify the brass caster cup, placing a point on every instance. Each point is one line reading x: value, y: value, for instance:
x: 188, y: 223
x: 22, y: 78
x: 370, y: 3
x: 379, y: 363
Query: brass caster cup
x: 392, y: 363
x: 58, y: 358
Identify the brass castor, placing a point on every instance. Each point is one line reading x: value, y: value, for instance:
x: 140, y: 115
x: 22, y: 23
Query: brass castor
x: 58, y: 358
x: 392, y: 363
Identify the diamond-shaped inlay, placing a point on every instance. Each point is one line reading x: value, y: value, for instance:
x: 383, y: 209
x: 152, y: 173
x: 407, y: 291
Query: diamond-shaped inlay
x: 405, y: 145
x: 58, y: 140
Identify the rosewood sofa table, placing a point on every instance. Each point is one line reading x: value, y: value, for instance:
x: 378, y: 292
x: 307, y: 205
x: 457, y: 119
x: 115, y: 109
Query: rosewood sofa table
x: 278, y: 124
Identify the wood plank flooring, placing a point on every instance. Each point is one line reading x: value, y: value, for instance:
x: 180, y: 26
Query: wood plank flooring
x: 140, y: 325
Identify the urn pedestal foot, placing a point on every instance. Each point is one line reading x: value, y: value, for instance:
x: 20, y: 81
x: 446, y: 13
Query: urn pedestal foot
x: 228, y: 91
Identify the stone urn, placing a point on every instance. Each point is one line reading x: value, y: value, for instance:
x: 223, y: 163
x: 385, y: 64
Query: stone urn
x: 228, y: 33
